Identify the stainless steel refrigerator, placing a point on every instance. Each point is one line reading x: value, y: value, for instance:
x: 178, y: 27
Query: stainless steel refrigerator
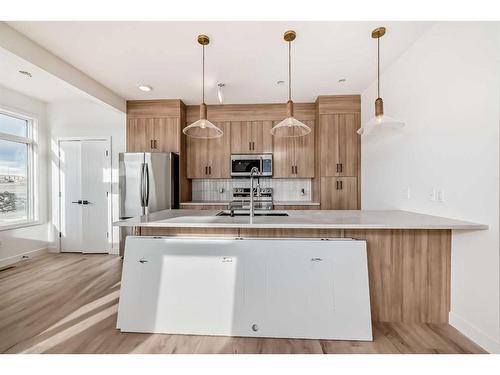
x: 149, y: 182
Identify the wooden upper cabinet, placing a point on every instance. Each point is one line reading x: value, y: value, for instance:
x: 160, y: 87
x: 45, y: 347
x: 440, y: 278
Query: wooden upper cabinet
x: 304, y: 154
x: 210, y: 158
x: 294, y: 157
x: 167, y: 134
x: 261, y: 137
x: 197, y: 158
x: 154, y: 126
x: 136, y: 135
x: 339, y: 144
x: 219, y: 153
x: 241, y: 137
x: 248, y: 137
x: 339, y: 193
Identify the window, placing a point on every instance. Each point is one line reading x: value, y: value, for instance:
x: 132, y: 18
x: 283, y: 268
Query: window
x: 16, y: 169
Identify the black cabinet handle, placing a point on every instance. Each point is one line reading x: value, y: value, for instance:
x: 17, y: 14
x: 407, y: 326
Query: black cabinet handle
x: 155, y: 144
x: 151, y: 144
x: 341, y: 168
x: 206, y: 169
x: 341, y: 187
x: 209, y: 170
x: 337, y: 184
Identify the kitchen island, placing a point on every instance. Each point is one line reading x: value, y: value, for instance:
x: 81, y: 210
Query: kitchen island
x: 408, y: 254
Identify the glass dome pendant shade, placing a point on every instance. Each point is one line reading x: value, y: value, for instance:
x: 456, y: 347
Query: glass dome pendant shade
x: 203, y: 128
x: 380, y: 120
x: 290, y: 126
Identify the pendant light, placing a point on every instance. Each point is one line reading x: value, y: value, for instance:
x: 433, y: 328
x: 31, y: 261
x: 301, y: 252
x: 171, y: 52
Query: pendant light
x: 380, y: 120
x: 203, y: 128
x: 290, y: 126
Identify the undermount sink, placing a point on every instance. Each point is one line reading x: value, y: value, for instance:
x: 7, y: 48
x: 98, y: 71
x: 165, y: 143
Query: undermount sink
x: 270, y: 213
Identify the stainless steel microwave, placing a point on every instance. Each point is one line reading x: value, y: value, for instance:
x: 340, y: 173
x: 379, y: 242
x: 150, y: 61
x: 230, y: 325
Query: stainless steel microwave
x: 241, y: 165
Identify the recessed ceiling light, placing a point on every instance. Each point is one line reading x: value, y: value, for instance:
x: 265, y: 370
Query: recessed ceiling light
x: 25, y: 73
x: 145, y: 88
x: 342, y: 80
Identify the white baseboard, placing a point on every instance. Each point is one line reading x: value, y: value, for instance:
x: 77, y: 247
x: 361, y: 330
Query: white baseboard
x: 475, y: 334
x: 17, y: 258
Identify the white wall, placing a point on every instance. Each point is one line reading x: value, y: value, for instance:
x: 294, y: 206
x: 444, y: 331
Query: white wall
x: 84, y: 118
x: 446, y: 88
x: 18, y: 242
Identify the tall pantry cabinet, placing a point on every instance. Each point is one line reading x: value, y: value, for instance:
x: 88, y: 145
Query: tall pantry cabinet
x: 338, y: 152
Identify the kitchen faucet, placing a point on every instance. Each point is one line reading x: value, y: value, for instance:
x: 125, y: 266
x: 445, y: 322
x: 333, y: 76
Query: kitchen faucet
x: 253, y: 172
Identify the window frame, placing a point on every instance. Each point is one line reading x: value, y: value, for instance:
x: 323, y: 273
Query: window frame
x: 32, y: 166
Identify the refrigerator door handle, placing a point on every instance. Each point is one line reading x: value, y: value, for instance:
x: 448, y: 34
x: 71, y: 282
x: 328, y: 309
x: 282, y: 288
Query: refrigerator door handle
x: 146, y: 183
x: 142, y: 183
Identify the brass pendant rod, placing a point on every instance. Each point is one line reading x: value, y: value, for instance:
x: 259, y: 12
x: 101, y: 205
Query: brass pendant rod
x: 378, y: 67
x: 289, y: 70
x: 203, y: 74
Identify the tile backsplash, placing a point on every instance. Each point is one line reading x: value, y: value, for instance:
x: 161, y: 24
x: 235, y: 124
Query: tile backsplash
x: 213, y: 190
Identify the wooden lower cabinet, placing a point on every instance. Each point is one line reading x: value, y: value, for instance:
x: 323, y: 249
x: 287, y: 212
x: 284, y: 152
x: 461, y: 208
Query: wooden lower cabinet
x: 203, y: 206
x: 295, y: 207
x: 339, y: 193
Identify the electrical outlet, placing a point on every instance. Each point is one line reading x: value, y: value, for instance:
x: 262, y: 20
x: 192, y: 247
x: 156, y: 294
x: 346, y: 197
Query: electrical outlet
x: 440, y: 195
x: 432, y: 195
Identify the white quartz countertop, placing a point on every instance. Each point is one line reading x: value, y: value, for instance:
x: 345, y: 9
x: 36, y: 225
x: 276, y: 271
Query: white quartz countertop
x: 316, y: 219
x: 276, y: 203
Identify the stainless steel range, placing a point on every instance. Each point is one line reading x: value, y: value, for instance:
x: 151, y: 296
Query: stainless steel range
x: 263, y: 199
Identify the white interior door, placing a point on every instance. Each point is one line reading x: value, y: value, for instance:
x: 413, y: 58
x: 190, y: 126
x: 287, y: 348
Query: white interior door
x: 70, y: 158
x: 85, y: 186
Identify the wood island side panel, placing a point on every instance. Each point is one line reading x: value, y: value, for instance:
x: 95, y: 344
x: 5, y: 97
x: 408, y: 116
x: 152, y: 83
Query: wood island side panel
x: 408, y: 269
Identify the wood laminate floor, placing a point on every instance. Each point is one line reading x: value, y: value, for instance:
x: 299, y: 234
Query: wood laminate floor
x: 67, y: 303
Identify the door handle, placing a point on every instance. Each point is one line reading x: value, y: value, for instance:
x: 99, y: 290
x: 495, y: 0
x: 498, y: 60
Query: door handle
x: 142, y: 185
x: 146, y: 182
x: 77, y: 202
x: 316, y: 259
x: 86, y: 202
x: 142, y: 260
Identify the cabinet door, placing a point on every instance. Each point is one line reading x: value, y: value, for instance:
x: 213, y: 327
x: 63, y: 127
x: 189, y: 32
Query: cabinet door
x: 136, y: 135
x: 329, y: 144
x: 261, y: 137
x: 219, y: 153
x: 197, y: 158
x: 339, y: 193
x: 241, y: 137
x: 348, y: 144
x: 166, y: 134
x: 304, y: 154
x: 283, y: 157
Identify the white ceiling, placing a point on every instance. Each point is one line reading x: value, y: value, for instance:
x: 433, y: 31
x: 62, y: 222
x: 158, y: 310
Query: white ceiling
x: 249, y: 57
x: 42, y: 85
